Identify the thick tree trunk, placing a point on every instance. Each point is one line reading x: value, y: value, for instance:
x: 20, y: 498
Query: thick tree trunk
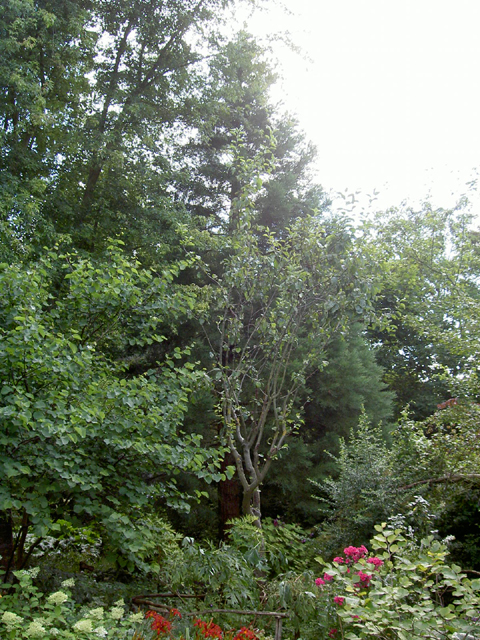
x: 229, y: 498
x: 93, y: 176
x: 6, y: 542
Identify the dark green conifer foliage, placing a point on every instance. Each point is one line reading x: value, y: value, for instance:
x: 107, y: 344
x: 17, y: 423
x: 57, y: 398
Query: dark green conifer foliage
x: 337, y: 395
x: 236, y: 107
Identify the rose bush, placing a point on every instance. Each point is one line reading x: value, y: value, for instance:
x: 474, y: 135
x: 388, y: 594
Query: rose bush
x: 406, y: 591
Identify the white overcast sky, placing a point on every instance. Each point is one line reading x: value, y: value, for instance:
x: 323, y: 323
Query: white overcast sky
x: 390, y: 96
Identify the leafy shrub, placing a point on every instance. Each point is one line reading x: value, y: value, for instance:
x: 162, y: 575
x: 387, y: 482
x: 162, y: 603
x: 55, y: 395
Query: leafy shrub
x: 276, y: 548
x: 221, y: 575
x: 365, y: 491
x: 25, y: 612
x: 407, y: 591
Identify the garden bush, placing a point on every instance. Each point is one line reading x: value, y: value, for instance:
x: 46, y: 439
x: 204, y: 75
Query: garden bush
x: 406, y: 591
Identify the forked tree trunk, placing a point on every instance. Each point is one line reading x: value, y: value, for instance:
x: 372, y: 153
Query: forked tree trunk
x: 251, y: 505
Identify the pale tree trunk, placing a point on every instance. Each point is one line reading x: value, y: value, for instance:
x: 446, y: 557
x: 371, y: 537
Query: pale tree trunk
x: 251, y: 505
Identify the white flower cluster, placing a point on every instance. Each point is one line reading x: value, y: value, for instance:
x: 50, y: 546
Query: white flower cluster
x: 117, y: 613
x: 96, y: 614
x: 101, y: 632
x: 83, y: 625
x: 68, y: 584
x: 136, y: 617
x: 36, y: 630
x: 10, y: 619
x: 33, y: 573
x: 57, y: 598
x: 27, y: 573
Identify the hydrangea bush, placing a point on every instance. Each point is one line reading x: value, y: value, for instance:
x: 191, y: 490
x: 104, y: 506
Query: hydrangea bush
x: 25, y: 612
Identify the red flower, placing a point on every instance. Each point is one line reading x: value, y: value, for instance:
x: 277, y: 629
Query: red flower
x: 327, y: 577
x: 339, y: 600
x: 175, y: 612
x: 332, y: 632
x: 159, y: 624
x: 339, y: 560
x: 208, y: 629
x: 319, y: 582
x: 245, y: 634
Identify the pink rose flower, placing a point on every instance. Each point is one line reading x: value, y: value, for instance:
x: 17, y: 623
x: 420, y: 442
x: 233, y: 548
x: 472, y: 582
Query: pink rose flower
x: 377, y: 562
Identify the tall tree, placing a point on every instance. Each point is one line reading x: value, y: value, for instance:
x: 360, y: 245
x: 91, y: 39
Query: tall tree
x: 92, y: 95
x: 46, y: 54
x: 237, y: 106
x: 238, y: 129
x: 142, y: 84
x: 278, y: 302
x: 427, y: 265
x: 349, y: 385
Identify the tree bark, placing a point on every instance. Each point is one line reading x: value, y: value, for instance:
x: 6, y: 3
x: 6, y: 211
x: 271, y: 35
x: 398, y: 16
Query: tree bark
x: 229, y: 498
x: 6, y: 542
x: 251, y: 505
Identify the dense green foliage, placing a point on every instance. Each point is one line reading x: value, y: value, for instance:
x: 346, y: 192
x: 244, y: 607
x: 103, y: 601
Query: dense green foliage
x: 185, y: 328
x: 427, y: 307
x: 82, y: 440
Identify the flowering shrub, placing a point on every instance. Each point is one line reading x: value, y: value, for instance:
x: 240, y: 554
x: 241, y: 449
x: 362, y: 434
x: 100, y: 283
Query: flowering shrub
x: 353, y: 554
x: 26, y: 613
x: 407, y: 591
